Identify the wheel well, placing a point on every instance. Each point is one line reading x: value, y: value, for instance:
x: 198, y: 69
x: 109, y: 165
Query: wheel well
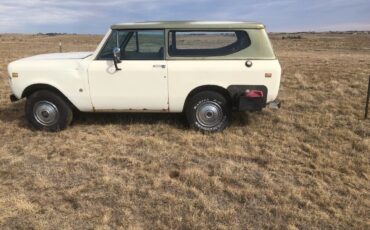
x: 37, y: 87
x: 214, y: 88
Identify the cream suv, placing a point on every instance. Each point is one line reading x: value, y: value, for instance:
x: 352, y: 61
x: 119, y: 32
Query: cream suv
x: 205, y: 70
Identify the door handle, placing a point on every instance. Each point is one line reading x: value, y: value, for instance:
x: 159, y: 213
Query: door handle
x: 159, y: 66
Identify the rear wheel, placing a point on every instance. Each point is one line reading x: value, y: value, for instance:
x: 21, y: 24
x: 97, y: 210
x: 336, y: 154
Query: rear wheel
x: 208, y: 111
x: 46, y: 110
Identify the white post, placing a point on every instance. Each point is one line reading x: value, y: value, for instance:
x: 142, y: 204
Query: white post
x: 60, y: 46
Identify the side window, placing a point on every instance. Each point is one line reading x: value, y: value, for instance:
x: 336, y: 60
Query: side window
x: 207, y: 43
x: 144, y: 45
x: 132, y: 45
x: 135, y: 45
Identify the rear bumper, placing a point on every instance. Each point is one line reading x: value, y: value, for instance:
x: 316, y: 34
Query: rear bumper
x: 275, y: 104
x: 256, y: 104
x: 13, y: 98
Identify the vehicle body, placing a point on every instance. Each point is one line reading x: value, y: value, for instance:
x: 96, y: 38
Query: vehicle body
x: 156, y: 67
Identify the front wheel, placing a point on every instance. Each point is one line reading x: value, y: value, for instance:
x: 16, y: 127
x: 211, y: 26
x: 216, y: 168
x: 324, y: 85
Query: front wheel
x: 208, y: 111
x: 46, y: 110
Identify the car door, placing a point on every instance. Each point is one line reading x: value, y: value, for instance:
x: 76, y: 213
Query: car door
x: 141, y: 84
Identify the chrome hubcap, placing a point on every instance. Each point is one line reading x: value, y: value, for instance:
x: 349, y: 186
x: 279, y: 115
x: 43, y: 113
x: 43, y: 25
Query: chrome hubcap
x: 209, y: 114
x: 45, y: 113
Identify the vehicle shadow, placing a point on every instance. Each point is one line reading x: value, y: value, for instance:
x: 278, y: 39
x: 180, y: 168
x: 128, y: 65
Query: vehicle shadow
x: 13, y: 112
x: 176, y: 120
x: 240, y: 119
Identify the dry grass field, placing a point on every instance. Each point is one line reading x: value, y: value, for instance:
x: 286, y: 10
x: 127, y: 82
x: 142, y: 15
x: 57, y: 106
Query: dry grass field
x: 305, y: 166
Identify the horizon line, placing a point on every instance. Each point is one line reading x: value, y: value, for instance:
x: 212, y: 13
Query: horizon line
x: 270, y: 32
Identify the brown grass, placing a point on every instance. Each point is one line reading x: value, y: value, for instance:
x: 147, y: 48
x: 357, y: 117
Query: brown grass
x: 304, y: 166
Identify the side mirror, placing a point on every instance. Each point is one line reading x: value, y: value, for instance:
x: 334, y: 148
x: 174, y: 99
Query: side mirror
x: 117, y: 57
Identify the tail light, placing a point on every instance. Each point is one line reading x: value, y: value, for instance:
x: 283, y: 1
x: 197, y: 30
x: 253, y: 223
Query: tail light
x: 253, y: 93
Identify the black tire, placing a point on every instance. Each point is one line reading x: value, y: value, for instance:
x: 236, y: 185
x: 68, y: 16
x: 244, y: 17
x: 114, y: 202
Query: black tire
x: 208, y: 111
x: 48, y: 111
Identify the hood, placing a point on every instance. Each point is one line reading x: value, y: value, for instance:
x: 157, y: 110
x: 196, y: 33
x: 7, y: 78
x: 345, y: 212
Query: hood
x: 55, y: 61
x: 60, y: 56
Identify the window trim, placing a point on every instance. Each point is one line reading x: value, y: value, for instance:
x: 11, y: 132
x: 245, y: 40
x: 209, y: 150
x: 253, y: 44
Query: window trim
x: 98, y: 57
x: 197, y: 57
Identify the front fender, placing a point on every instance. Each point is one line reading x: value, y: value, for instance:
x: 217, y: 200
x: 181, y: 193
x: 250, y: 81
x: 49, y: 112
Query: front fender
x: 68, y: 77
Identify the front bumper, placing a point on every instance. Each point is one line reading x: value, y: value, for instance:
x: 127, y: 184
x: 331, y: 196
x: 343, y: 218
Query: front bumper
x: 13, y: 98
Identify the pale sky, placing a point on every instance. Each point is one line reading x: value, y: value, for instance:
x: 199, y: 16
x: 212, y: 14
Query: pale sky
x: 95, y: 16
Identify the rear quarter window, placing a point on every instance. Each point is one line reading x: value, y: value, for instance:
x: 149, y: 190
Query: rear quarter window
x: 207, y: 43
